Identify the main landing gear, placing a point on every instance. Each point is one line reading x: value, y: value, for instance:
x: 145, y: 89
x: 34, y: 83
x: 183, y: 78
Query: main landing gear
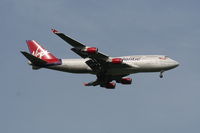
x: 161, y: 74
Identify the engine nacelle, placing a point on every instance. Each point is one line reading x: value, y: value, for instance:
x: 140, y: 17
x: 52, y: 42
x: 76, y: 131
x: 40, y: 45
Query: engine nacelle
x: 91, y: 50
x: 117, y: 60
x: 110, y: 85
x: 126, y: 81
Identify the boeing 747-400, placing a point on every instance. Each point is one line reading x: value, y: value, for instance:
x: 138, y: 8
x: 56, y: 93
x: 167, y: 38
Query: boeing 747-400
x: 107, y: 69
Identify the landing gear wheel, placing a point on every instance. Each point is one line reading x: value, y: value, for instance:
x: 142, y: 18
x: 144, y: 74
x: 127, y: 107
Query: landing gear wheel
x: 161, y: 74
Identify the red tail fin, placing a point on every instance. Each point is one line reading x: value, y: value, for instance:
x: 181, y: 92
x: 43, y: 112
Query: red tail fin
x: 38, y: 51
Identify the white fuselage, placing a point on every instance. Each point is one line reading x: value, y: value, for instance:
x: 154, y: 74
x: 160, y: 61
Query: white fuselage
x: 133, y: 64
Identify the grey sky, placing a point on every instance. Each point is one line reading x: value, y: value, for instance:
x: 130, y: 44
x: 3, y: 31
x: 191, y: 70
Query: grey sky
x: 49, y: 101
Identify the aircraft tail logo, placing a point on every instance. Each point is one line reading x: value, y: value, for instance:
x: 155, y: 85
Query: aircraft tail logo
x: 38, y: 51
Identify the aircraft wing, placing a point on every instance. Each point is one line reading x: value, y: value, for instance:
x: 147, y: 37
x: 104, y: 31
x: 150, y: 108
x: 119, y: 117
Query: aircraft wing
x: 98, y: 62
x: 81, y: 49
x: 69, y: 40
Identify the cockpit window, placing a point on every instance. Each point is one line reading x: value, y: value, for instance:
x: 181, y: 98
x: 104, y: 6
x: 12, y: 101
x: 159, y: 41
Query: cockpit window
x: 163, y: 57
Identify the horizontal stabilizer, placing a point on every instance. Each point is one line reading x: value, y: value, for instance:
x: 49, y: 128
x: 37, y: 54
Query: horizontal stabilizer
x: 34, y: 60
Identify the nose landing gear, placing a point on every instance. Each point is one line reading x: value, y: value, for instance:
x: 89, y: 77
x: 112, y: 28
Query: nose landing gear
x: 161, y: 74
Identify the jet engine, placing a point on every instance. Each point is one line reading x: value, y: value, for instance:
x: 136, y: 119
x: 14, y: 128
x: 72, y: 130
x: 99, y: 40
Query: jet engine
x: 91, y: 50
x: 110, y: 85
x: 117, y: 60
x: 126, y: 81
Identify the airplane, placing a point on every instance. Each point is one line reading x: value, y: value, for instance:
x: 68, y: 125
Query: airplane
x: 107, y: 69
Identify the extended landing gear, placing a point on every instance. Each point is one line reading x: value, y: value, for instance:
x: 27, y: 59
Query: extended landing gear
x: 161, y: 74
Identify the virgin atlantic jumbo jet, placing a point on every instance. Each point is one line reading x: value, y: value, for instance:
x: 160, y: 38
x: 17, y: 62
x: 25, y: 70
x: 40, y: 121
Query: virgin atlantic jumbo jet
x: 107, y: 69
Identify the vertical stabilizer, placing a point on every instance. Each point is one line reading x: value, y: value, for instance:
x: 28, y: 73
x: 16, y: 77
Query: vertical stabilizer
x: 38, y: 51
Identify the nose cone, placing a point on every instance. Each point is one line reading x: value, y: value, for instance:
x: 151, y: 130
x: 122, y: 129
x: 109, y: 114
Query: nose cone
x: 174, y: 64
x: 168, y: 63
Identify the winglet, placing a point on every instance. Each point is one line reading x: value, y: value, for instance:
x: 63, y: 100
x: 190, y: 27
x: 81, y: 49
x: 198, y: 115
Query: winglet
x: 55, y: 31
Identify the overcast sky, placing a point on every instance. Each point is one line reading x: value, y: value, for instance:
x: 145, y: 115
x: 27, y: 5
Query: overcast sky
x: 46, y: 101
